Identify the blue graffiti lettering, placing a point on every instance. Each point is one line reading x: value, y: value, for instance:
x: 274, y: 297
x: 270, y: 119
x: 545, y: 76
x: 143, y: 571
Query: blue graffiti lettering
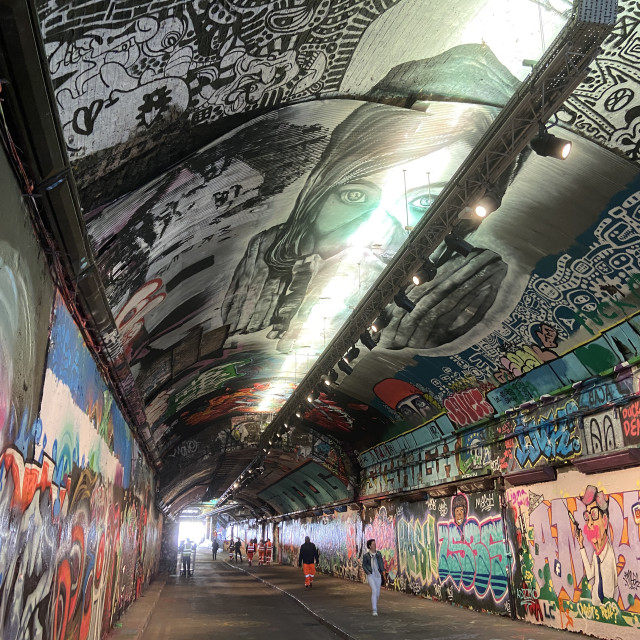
x: 473, y: 557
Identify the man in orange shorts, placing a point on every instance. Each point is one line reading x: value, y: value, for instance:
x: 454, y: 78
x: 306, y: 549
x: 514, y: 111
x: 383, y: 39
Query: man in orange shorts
x: 307, y: 560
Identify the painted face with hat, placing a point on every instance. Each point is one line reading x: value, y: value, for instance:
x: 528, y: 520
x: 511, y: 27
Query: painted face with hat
x: 596, y: 516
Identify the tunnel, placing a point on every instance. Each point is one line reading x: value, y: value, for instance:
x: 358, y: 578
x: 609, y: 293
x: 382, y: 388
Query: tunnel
x: 345, y: 270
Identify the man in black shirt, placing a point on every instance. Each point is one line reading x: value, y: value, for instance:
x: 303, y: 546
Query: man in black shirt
x: 307, y: 559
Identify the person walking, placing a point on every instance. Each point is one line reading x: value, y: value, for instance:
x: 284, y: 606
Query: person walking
x: 268, y: 552
x: 251, y: 549
x: 238, y: 549
x: 373, y: 566
x: 307, y: 559
x: 261, y: 548
x: 214, y: 548
x: 231, y: 548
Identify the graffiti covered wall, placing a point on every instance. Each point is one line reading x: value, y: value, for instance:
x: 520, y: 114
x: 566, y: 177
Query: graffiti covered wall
x: 452, y: 549
x: 338, y: 537
x: 578, y: 561
x: 79, y: 533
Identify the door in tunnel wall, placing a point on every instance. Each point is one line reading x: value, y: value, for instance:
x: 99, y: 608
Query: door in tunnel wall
x: 79, y: 532
x: 578, y: 552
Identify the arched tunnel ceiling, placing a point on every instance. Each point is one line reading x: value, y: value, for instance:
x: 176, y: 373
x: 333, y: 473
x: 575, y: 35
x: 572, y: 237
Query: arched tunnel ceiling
x: 238, y: 207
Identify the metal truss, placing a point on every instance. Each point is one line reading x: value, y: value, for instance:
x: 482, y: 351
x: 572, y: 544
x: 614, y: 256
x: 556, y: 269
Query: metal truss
x: 550, y: 83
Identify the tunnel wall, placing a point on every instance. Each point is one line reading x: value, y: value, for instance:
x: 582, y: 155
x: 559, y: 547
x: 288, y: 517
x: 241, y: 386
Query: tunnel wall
x: 79, y: 532
x: 512, y: 552
x: 469, y: 520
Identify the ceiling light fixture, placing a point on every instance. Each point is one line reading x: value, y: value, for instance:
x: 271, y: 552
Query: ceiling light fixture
x: 458, y: 245
x: 379, y: 323
x: 402, y: 300
x: 425, y: 273
x: 547, y: 145
x: 367, y: 340
x: 352, y: 354
x: 344, y: 367
x: 487, y: 204
x: 332, y: 377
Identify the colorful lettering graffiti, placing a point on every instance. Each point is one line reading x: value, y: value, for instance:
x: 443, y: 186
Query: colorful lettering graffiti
x: 580, y: 555
x: 472, y: 554
x: 417, y: 549
x: 467, y: 407
x: 631, y: 422
x: 553, y: 437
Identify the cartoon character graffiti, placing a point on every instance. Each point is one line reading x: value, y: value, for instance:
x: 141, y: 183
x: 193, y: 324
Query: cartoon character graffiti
x: 602, y: 566
x: 406, y: 399
x: 460, y: 509
x: 517, y: 362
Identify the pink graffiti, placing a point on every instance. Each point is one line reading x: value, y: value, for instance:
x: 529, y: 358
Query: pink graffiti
x: 555, y: 538
x: 467, y: 407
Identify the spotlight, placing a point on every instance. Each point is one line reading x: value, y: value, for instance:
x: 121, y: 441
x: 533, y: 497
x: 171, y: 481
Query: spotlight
x: 312, y: 396
x: 458, y: 245
x: 352, y: 354
x: 367, y: 340
x: 546, y: 144
x: 331, y: 378
x: 426, y: 273
x: 343, y: 366
x: 402, y: 300
x: 379, y: 323
x: 298, y: 413
x: 487, y: 204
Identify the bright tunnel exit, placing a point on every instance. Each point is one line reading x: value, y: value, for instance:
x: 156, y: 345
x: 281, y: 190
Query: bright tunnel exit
x: 192, y: 529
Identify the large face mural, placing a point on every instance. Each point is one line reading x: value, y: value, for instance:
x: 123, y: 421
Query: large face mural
x: 338, y: 201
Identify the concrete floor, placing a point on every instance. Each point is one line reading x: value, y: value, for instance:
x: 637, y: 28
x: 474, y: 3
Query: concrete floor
x: 225, y: 601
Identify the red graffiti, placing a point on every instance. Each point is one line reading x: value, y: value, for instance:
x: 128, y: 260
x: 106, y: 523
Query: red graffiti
x: 630, y: 419
x: 467, y: 407
x: 31, y: 477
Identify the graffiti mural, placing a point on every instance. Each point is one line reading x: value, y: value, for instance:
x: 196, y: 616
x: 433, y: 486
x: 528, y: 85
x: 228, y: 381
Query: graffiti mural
x: 611, y: 90
x: 308, y: 486
x: 578, y: 553
x: 127, y: 79
x: 338, y: 537
x: 26, y: 298
x: 80, y: 534
x: 455, y: 549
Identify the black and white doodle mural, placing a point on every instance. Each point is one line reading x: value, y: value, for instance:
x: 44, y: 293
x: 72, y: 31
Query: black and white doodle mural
x: 131, y: 77
x: 605, y: 107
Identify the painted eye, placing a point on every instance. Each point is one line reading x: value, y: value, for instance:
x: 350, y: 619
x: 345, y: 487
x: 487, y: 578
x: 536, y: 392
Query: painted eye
x: 353, y: 196
x: 422, y: 202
